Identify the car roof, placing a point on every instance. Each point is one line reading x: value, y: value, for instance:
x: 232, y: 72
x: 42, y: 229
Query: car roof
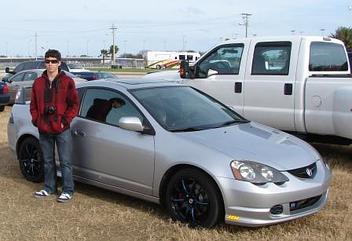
x: 129, y: 84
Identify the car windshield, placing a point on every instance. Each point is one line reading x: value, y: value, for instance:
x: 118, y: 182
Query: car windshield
x: 184, y: 109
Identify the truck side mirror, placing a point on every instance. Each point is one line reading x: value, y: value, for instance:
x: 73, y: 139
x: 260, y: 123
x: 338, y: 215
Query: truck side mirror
x: 184, y: 69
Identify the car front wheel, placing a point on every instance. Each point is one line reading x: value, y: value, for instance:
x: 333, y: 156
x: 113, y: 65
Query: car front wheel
x: 31, y: 160
x: 192, y: 197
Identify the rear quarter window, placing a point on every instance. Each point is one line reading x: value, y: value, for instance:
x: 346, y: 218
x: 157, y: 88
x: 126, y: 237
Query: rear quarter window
x: 327, y: 57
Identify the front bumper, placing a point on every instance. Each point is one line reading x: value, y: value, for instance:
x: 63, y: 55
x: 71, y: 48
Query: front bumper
x: 247, y: 204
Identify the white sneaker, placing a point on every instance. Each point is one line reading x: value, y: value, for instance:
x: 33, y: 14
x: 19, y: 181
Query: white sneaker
x: 64, y: 197
x: 41, y: 194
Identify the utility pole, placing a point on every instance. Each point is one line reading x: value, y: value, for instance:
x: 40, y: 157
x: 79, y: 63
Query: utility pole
x: 36, y: 45
x: 113, y: 28
x: 245, y: 17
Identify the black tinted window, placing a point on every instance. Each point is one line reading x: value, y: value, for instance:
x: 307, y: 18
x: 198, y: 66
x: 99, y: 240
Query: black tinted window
x: 327, y: 57
x: 271, y: 58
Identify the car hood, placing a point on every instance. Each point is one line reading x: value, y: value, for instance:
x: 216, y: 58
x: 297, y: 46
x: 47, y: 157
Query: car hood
x: 170, y: 75
x: 256, y: 142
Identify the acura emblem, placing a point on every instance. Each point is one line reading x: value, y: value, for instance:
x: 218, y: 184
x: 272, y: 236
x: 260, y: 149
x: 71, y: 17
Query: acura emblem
x: 309, y: 172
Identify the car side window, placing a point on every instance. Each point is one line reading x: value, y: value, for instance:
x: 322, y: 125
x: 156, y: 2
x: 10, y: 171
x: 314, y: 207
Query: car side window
x: 327, y: 57
x: 29, y: 76
x: 271, y: 58
x: 107, y: 106
x: 225, y: 59
x: 17, y: 77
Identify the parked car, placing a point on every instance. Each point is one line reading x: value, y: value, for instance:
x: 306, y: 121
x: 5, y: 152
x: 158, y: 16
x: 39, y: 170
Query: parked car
x: 95, y: 75
x: 75, y: 67
x: 174, y: 145
x: 27, y: 65
x: 26, y: 78
x: 4, y: 96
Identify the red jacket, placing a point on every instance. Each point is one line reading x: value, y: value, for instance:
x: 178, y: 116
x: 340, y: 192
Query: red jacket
x: 51, y: 107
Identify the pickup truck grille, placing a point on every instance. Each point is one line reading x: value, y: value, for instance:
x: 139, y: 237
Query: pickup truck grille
x: 305, y: 172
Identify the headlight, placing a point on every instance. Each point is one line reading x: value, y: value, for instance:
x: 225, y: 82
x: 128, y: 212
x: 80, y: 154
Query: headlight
x: 256, y: 173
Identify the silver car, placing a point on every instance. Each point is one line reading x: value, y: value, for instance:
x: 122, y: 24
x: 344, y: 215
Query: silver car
x: 174, y: 145
x: 26, y: 78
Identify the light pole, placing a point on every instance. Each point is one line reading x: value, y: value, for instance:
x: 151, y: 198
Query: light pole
x: 322, y: 31
x: 113, y: 28
x: 245, y: 17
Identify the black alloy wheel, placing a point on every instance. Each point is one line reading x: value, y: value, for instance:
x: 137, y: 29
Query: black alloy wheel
x: 31, y: 160
x: 192, y: 197
x: 2, y: 108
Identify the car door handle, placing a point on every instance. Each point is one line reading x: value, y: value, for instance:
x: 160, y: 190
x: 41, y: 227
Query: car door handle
x: 78, y: 133
x: 288, y: 89
x: 238, y: 87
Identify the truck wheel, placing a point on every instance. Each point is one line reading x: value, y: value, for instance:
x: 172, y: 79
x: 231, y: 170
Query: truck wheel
x: 192, y: 197
x: 31, y: 160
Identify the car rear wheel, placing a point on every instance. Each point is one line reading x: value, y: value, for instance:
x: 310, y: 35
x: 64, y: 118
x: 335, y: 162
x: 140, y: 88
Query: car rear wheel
x: 2, y: 108
x: 31, y: 160
x: 192, y: 197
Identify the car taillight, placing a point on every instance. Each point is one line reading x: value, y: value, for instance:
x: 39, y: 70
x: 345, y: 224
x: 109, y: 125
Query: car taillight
x: 5, y: 89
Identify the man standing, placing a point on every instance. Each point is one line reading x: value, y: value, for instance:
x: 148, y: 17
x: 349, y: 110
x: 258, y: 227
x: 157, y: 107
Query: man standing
x: 54, y: 103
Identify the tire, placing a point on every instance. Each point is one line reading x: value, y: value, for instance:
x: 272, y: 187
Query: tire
x: 158, y: 66
x: 30, y: 159
x: 192, y: 197
x: 2, y: 108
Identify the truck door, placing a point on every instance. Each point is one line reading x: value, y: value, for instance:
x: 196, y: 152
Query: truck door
x: 269, y: 86
x: 219, y: 74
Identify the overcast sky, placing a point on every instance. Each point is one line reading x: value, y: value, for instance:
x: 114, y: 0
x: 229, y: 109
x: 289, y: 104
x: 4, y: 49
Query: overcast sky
x: 79, y: 27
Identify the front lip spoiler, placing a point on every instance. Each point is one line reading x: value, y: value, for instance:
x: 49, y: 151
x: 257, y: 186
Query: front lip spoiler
x: 232, y: 218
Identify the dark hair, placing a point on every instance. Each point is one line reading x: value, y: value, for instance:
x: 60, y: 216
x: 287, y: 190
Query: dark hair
x: 53, y: 53
x: 119, y: 100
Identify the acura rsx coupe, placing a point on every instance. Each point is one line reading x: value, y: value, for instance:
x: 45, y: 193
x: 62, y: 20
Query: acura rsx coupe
x: 171, y: 144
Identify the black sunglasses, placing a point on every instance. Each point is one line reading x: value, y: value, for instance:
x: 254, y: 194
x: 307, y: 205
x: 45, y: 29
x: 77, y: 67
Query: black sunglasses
x: 53, y: 61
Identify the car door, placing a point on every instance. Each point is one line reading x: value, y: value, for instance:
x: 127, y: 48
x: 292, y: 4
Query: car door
x: 106, y: 153
x: 220, y: 74
x: 269, y: 87
x: 14, y: 84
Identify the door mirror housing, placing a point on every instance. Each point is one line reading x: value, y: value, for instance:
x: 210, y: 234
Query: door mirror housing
x: 131, y: 123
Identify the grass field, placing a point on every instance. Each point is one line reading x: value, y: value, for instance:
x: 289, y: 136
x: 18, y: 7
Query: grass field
x: 96, y: 214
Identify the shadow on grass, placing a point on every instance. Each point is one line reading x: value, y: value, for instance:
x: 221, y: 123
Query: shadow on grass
x: 336, y: 155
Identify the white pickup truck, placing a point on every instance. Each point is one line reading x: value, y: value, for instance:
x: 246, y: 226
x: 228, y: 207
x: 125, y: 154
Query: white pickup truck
x: 299, y: 84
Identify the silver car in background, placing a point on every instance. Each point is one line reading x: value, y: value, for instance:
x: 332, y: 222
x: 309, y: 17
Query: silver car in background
x: 174, y: 145
x: 25, y: 79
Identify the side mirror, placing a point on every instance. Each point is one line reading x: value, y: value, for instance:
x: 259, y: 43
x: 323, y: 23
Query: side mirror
x: 131, y: 124
x: 184, y: 69
x: 212, y: 72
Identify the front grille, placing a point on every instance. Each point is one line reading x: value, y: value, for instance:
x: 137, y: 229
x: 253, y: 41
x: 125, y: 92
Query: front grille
x: 305, y: 172
x: 304, y: 203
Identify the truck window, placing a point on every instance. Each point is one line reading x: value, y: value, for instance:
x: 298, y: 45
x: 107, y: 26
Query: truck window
x: 327, y: 57
x: 225, y: 59
x: 271, y: 58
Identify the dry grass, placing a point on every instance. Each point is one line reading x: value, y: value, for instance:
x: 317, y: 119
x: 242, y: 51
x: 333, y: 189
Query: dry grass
x: 96, y: 214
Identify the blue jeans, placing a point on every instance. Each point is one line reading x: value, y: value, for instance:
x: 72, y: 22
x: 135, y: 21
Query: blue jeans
x: 63, y: 143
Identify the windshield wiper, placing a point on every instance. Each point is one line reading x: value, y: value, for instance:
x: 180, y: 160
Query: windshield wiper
x: 231, y: 122
x: 188, y: 129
